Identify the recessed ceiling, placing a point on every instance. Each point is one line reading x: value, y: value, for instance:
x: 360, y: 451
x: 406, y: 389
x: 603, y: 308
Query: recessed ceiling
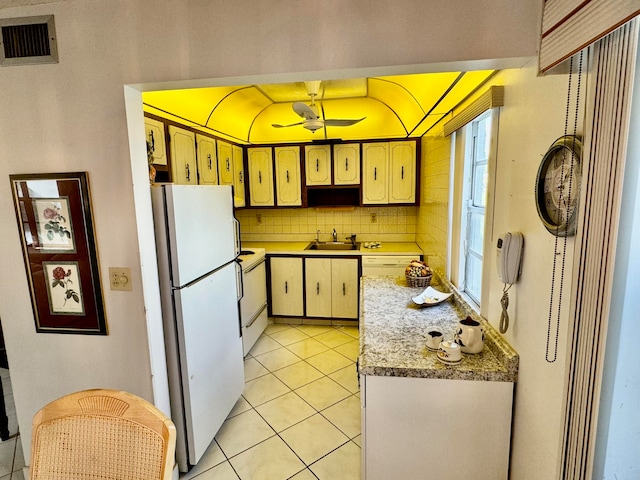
x: 398, y: 106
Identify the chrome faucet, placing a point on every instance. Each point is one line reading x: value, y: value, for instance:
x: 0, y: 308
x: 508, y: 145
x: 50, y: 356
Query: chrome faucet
x: 318, y: 236
x: 334, y: 235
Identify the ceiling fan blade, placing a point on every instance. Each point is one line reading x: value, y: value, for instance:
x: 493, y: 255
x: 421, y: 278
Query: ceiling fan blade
x: 342, y: 123
x: 305, y: 111
x: 277, y: 125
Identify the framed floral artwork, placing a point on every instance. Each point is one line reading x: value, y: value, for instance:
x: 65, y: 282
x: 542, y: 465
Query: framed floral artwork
x: 58, y: 243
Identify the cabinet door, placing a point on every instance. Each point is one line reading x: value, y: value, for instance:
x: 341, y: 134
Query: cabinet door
x: 239, y: 191
x: 154, y: 130
x: 207, y: 165
x: 318, y: 287
x: 225, y: 163
x: 375, y: 164
x: 260, y: 166
x: 396, y: 425
x: 346, y: 164
x: 318, y: 164
x: 344, y: 288
x: 402, y: 172
x: 183, y: 156
x: 288, y: 189
x: 286, y: 286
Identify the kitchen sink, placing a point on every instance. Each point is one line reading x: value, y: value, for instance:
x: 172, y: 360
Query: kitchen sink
x: 333, y: 246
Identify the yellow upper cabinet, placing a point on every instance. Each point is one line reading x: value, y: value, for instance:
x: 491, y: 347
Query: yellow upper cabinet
x: 183, y: 156
x: 402, y: 172
x: 156, y: 143
x: 288, y: 181
x: 260, y: 165
x: 238, y: 176
x: 346, y: 164
x: 207, y: 164
x: 231, y: 170
x: 318, y: 164
x: 375, y: 164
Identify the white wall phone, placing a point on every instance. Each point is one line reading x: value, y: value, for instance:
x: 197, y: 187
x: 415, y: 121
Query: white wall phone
x: 509, y: 264
x: 509, y: 257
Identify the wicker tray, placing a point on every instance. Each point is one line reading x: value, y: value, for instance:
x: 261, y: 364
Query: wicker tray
x: 416, y: 282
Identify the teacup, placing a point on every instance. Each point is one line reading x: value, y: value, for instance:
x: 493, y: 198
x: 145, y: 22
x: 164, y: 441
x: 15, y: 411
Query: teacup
x: 434, y: 337
x: 449, y: 351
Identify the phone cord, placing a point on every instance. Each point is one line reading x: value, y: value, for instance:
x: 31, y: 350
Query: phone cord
x: 504, y: 317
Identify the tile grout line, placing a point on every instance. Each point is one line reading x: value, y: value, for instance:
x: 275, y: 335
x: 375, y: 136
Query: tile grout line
x: 291, y: 390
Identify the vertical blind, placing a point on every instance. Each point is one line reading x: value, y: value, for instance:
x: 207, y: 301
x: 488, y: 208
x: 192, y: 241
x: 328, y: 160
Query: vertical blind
x: 569, y: 26
x: 603, y: 171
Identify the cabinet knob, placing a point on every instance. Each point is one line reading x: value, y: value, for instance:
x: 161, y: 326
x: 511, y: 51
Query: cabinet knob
x: 228, y: 166
x: 259, y: 177
x: 346, y: 164
x: 286, y: 287
x: 375, y: 173
x: 344, y: 289
x: 188, y: 174
x: 240, y: 176
x: 317, y: 165
x: 287, y: 176
x: 402, y: 173
x: 209, y: 159
x: 318, y: 288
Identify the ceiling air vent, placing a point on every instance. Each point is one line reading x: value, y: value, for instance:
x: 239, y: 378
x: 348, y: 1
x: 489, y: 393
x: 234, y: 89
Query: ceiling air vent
x: 28, y: 40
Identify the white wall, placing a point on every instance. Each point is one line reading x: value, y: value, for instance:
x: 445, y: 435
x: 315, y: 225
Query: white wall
x: 618, y: 435
x: 530, y: 121
x: 71, y: 117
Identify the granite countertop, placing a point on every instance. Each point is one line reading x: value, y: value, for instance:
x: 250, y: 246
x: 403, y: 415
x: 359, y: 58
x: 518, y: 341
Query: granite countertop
x: 297, y: 248
x: 393, y: 335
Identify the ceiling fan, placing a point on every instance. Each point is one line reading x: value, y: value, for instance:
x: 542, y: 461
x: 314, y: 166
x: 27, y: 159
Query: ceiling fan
x: 312, y: 121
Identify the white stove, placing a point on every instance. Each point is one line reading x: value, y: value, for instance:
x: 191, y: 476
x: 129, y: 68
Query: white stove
x: 253, y: 306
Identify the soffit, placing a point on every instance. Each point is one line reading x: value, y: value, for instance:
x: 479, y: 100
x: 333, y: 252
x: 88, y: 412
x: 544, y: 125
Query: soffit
x: 398, y: 106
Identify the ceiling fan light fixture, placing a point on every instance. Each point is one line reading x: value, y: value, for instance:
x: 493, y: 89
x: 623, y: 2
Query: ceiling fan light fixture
x: 313, y: 125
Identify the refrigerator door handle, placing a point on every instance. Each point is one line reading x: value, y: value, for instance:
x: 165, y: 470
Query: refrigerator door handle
x: 236, y: 229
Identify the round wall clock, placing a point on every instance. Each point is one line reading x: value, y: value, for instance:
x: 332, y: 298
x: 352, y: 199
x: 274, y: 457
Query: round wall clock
x: 558, y: 186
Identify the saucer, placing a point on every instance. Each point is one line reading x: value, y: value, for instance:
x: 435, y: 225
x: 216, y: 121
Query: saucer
x: 431, y: 349
x: 447, y: 362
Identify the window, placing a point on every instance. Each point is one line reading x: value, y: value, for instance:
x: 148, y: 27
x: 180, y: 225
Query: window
x: 474, y: 201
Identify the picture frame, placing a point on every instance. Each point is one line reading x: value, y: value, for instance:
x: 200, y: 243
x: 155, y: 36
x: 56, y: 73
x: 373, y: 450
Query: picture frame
x: 53, y: 212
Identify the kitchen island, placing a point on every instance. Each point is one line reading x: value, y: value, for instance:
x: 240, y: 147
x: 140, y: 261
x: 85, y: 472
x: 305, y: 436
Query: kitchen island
x: 421, y: 418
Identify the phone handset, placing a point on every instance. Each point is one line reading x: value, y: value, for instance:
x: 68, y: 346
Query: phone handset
x: 509, y: 265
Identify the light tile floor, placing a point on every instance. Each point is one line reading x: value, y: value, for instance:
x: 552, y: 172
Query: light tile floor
x: 11, y: 457
x: 299, y: 415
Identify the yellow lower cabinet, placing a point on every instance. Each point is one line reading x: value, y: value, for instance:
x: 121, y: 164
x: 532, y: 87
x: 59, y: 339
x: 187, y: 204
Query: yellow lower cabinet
x: 331, y: 287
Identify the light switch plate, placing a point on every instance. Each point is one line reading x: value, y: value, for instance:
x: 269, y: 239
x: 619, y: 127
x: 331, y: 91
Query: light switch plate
x: 120, y: 278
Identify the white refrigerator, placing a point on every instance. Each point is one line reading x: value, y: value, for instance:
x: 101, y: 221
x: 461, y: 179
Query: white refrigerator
x: 197, y: 241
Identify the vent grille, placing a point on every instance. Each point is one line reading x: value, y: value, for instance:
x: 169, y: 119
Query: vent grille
x: 28, y: 41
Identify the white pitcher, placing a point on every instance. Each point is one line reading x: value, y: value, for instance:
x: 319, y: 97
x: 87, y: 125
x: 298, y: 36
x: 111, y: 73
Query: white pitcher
x: 470, y: 336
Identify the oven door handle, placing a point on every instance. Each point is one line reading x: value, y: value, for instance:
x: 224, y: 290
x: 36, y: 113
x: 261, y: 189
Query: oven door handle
x: 256, y: 315
x: 239, y: 281
x: 253, y: 267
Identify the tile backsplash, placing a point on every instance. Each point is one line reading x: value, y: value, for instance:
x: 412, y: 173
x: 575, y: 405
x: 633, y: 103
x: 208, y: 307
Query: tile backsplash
x: 385, y: 224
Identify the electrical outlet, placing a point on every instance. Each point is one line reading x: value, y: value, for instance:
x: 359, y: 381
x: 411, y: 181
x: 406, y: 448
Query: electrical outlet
x: 258, y: 218
x: 374, y: 217
x: 120, y: 278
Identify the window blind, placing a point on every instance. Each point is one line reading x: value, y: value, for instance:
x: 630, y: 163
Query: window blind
x: 494, y: 97
x: 569, y: 26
